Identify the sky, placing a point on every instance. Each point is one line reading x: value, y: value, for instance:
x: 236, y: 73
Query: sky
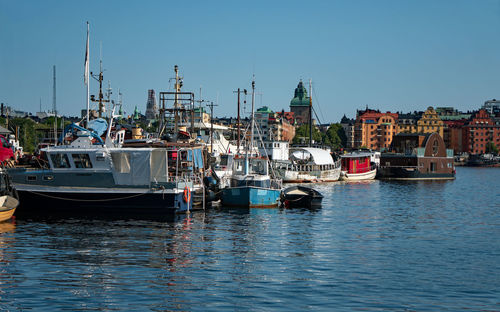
x: 391, y: 55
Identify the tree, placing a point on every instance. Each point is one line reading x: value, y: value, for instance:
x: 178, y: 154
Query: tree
x: 302, y: 135
x: 491, y: 148
x: 335, y: 136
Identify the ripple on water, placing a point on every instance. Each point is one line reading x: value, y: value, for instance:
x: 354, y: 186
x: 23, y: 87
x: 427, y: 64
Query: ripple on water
x: 387, y: 246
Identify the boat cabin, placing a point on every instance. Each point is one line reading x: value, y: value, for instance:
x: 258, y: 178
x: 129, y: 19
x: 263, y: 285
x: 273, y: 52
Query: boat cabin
x: 356, y: 163
x: 255, y: 165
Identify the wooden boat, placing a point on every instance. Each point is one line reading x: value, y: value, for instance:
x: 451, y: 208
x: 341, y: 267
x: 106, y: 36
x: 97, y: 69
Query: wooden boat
x: 8, y: 205
x: 301, y: 196
x: 356, y: 166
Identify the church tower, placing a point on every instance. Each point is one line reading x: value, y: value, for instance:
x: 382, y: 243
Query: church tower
x: 299, y: 105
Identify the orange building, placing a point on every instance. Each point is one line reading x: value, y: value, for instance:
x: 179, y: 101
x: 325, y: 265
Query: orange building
x: 374, y: 129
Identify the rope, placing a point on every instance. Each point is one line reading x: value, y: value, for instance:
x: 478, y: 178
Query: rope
x: 84, y: 200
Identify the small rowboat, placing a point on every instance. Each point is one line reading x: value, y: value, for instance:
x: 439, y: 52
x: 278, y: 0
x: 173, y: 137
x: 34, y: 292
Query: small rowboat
x: 301, y: 196
x: 8, y: 205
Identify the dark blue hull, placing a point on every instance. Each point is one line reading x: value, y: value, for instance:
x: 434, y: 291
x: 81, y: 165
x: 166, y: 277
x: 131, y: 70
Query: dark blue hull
x: 150, y: 206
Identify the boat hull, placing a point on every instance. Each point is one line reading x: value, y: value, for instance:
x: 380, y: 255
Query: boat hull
x: 113, y: 203
x: 291, y: 176
x: 349, y: 177
x: 399, y: 173
x: 250, y: 197
x: 300, y: 196
x: 6, y: 214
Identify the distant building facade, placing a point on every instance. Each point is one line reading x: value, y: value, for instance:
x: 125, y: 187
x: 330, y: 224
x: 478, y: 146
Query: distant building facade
x: 480, y: 131
x: 273, y: 126
x: 492, y: 107
x: 348, y: 126
x: 200, y: 115
x: 430, y: 122
x: 374, y: 129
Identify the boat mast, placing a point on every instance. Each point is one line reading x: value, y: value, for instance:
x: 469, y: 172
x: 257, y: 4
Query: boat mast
x: 54, y: 109
x: 310, y: 113
x: 238, y: 137
x: 176, y: 104
x: 252, y: 116
x: 86, y: 75
x: 101, y: 99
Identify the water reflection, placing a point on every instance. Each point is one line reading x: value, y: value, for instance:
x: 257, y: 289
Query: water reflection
x: 374, y: 246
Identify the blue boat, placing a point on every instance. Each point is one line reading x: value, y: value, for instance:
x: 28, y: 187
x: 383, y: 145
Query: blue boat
x: 251, y: 185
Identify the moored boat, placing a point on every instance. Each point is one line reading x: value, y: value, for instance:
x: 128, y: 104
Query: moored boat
x: 8, y: 197
x: 356, y: 166
x: 417, y: 157
x: 251, y: 184
x: 301, y: 196
x: 93, y: 179
x: 308, y: 164
x: 8, y: 205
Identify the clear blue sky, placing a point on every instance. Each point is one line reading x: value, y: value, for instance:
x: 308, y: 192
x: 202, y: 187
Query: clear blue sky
x: 391, y: 55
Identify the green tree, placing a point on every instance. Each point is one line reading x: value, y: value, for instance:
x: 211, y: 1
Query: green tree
x: 302, y: 135
x: 491, y: 148
x: 335, y: 136
x: 25, y: 129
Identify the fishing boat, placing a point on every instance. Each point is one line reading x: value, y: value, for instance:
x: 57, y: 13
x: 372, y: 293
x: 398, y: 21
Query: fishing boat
x: 357, y: 166
x: 417, y: 157
x: 94, y: 177
x: 251, y: 184
x: 301, y: 196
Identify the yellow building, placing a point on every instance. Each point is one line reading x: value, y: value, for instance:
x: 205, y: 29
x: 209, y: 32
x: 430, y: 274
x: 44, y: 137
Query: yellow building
x: 426, y: 122
x: 430, y: 122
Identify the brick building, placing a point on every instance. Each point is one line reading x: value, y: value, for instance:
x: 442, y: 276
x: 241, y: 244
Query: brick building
x: 479, y: 131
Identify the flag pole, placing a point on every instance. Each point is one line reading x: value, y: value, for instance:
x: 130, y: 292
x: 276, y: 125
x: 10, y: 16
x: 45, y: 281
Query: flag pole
x: 87, y: 81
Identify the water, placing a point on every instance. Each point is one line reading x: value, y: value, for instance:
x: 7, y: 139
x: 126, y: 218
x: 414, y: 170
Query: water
x: 376, y: 246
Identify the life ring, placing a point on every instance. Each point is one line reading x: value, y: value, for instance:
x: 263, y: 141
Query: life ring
x: 187, y: 194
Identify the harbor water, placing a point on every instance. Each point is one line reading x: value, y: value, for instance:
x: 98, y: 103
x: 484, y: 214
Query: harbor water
x: 372, y: 246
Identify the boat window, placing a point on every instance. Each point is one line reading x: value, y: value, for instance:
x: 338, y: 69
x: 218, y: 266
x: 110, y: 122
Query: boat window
x: 82, y: 160
x: 31, y: 178
x: 48, y: 178
x: 60, y: 160
x: 4, y: 142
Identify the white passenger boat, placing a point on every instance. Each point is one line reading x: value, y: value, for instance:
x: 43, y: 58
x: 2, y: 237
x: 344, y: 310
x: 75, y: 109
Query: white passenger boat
x: 308, y: 164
